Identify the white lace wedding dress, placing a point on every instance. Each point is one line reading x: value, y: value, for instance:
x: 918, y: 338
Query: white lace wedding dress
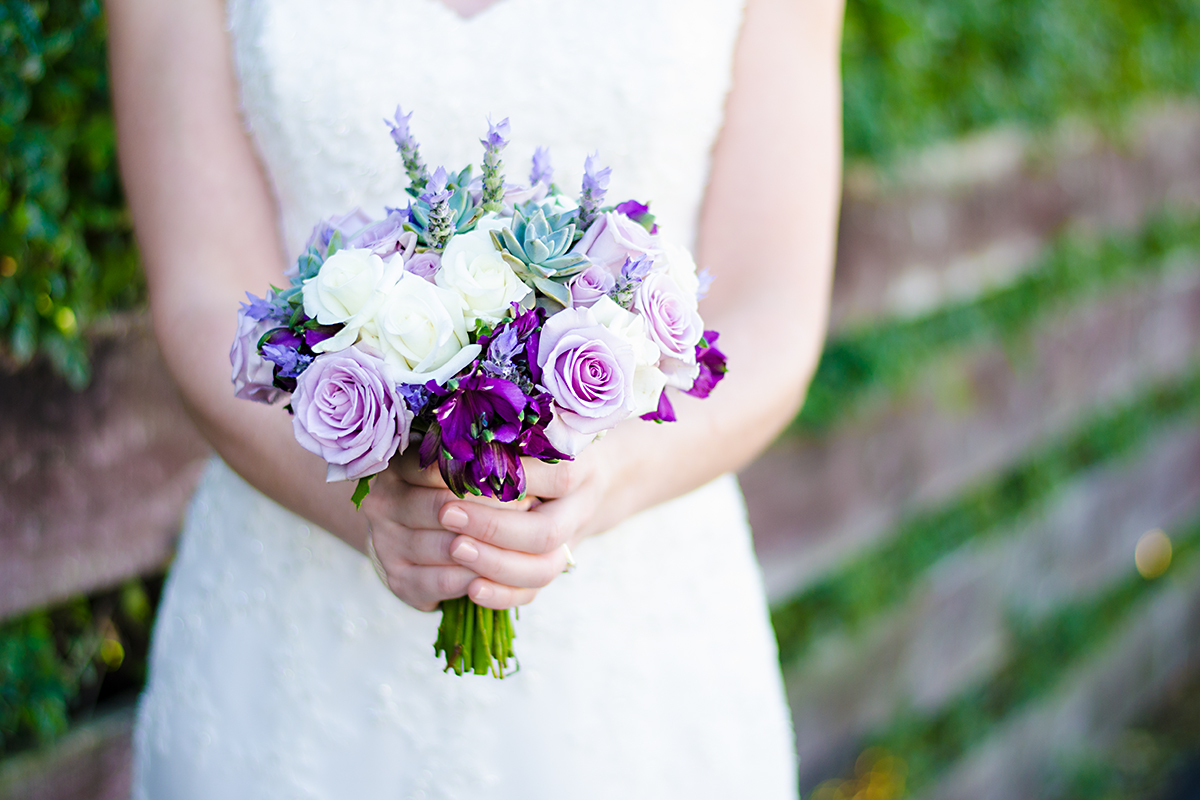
x: 281, y: 667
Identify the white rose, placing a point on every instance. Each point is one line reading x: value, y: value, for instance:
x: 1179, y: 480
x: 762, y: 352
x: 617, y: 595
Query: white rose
x: 682, y: 269
x: 648, y: 380
x: 353, y: 329
x: 473, y: 269
x: 342, y: 286
x: 421, y: 332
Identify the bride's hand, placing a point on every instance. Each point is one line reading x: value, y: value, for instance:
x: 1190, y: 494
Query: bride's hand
x: 412, y: 546
x: 514, y: 549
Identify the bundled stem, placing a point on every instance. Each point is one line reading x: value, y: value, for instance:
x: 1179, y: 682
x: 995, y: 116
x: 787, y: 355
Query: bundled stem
x: 475, y: 639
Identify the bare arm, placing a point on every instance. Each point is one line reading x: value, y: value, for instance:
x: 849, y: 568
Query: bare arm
x: 768, y: 234
x: 205, y: 222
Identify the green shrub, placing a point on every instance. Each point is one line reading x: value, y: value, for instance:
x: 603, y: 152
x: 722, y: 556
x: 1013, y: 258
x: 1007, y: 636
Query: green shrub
x: 918, y: 71
x: 66, y: 253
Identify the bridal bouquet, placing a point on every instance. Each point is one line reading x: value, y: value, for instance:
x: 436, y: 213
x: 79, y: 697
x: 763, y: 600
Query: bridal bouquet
x: 481, y: 321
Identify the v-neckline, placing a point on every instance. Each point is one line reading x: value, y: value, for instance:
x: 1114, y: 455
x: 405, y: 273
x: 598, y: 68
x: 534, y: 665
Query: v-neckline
x: 473, y: 15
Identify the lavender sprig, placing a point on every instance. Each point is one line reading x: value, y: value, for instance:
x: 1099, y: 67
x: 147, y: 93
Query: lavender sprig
x: 541, y: 171
x: 631, y: 277
x: 408, y: 148
x: 441, y: 216
x: 493, y: 179
x: 595, y: 184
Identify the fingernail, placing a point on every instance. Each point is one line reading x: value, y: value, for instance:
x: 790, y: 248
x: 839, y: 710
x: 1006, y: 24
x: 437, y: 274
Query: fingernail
x: 454, y: 518
x: 483, y: 592
x: 465, y: 551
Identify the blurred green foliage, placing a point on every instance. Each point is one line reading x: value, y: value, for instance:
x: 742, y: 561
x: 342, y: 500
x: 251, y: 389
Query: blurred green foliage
x: 876, y: 581
x: 66, y: 253
x: 1041, y: 654
x: 917, y: 71
x: 883, y: 357
x: 56, y: 663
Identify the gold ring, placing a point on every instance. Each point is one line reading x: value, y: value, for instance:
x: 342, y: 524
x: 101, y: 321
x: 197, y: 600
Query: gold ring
x: 570, y: 560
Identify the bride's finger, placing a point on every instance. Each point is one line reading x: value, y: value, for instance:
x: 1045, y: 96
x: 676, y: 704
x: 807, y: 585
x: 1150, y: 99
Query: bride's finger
x: 508, y: 567
x: 549, y: 480
x: 424, y: 587
x: 528, y: 532
x: 490, y: 594
x: 430, y: 548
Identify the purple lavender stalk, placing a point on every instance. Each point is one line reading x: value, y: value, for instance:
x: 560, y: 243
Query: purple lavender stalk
x: 493, y: 178
x: 541, y: 172
x: 595, y: 184
x: 408, y: 149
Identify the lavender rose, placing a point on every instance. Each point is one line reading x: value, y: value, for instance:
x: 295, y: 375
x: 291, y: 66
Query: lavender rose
x: 424, y: 265
x: 614, y: 237
x: 387, y: 236
x: 349, y: 414
x: 590, y: 285
x: 253, y: 376
x: 589, y: 371
x: 671, y: 319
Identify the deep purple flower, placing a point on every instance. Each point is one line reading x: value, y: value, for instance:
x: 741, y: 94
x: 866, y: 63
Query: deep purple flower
x: 639, y: 213
x: 348, y: 413
x: 665, y: 411
x: 319, y: 334
x: 712, y: 366
x: 481, y: 408
x: 541, y: 171
x: 417, y: 397
x: 475, y: 437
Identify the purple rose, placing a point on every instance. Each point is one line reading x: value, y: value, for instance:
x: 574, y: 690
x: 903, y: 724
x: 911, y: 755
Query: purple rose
x: 349, y: 414
x: 424, y: 265
x: 387, y: 236
x: 590, y: 285
x: 253, y: 376
x: 671, y: 318
x: 614, y: 237
x: 588, y: 370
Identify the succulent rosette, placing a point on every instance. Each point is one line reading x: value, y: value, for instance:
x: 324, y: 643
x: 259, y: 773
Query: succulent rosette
x: 484, y: 322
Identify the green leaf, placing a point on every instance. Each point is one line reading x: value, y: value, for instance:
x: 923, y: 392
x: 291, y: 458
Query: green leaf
x: 360, y: 492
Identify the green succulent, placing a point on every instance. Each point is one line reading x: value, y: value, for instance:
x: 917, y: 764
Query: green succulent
x: 434, y: 223
x: 536, y: 245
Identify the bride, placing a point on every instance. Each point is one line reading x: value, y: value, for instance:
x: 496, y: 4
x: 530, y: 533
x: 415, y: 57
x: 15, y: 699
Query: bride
x: 282, y: 666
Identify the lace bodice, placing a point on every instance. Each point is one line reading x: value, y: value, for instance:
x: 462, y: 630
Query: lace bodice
x: 642, y: 82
